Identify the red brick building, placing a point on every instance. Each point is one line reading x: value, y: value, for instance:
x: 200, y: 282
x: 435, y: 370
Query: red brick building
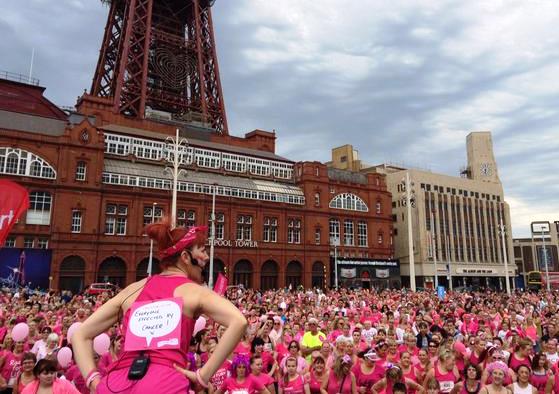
x: 94, y: 178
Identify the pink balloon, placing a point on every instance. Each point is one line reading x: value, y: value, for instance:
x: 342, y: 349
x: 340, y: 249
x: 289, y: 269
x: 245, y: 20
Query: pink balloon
x: 101, y: 344
x: 71, y: 330
x: 20, y: 332
x: 64, y: 356
x: 199, y: 325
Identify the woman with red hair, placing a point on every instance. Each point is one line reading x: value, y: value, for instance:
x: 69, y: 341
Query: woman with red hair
x: 161, y: 368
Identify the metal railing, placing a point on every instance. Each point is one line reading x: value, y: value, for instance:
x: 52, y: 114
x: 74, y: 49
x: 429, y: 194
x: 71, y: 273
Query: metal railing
x: 15, y: 77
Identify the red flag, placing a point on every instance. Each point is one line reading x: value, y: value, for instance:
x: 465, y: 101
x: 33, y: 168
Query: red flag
x: 14, y: 200
x: 221, y: 284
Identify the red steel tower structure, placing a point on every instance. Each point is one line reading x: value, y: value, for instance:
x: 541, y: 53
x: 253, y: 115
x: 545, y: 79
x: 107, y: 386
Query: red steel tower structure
x: 159, y: 55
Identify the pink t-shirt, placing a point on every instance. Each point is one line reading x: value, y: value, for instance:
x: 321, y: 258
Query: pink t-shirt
x: 221, y: 374
x: 11, y: 367
x: 248, y: 386
x: 341, y: 386
x: 263, y: 378
x: 242, y: 349
x: 295, y: 386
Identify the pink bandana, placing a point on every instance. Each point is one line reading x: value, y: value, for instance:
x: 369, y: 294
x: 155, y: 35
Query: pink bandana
x: 184, y: 242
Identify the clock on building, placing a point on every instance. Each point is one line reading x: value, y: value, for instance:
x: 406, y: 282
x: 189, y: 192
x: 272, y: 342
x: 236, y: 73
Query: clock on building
x: 485, y: 169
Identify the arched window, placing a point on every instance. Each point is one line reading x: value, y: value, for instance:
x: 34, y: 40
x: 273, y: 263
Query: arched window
x: 348, y: 202
x: 294, y: 275
x: 380, y: 238
x: 378, y: 207
x: 20, y: 162
x: 242, y: 274
x: 269, y: 275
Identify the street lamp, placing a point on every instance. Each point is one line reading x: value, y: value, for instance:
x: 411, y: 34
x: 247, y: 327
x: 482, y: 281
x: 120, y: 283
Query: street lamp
x: 176, y: 156
x: 335, y: 241
x: 150, y: 264
x: 408, y: 199
x: 502, y: 230
x: 212, y: 239
x: 433, y: 241
x: 544, y: 258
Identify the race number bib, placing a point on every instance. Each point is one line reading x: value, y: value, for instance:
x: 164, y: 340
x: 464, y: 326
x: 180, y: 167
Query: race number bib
x: 154, y: 325
x: 447, y: 386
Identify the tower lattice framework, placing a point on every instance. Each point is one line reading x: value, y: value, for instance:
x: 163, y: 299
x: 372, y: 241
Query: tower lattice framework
x: 161, y: 55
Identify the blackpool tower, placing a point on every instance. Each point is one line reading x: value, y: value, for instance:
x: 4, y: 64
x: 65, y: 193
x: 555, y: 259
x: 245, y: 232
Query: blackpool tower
x: 159, y: 56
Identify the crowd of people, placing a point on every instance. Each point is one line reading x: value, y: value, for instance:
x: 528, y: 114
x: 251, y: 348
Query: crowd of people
x: 278, y: 341
x: 358, y: 341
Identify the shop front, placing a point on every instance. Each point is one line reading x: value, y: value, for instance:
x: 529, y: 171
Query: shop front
x: 367, y: 273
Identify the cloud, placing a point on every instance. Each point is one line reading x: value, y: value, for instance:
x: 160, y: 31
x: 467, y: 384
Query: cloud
x: 404, y: 83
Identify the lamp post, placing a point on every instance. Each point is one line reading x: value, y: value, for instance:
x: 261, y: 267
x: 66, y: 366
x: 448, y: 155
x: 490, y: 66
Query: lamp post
x: 544, y: 258
x: 434, y: 247
x: 212, y: 240
x: 335, y: 241
x: 150, y: 264
x: 409, y: 200
x: 505, y: 257
x: 175, y: 156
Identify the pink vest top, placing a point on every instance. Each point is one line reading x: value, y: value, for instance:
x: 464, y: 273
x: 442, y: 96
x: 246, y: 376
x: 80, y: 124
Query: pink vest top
x: 446, y: 380
x: 158, y: 287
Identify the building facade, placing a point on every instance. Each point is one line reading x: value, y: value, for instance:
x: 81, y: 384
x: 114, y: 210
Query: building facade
x: 455, y: 220
x: 96, y: 179
x: 538, y: 252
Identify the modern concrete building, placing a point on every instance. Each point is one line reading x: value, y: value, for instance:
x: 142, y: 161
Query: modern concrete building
x: 531, y: 254
x: 455, y: 219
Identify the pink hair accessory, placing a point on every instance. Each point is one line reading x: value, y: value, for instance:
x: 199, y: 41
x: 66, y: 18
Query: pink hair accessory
x: 184, y: 242
x: 497, y: 365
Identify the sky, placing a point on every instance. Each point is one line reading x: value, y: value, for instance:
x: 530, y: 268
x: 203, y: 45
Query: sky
x: 403, y: 81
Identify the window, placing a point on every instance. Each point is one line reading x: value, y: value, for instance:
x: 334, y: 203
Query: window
x: 348, y: 233
x: 258, y: 166
x: 349, y: 202
x: 186, y: 218
x: 362, y: 233
x: 76, y: 221
x: 20, y: 162
x: 317, y: 199
x: 28, y: 242
x: 244, y: 227
x: 43, y: 243
x: 294, y: 231
x: 380, y: 238
x: 81, y: 170
x: 207, y: 158
x: 115, y: 219
x: 10, y: 242
x: 317, y: 236
x: 233, y: 162
x: 39, y: 208
x: 378, y: 207
x: 152, y: 214
x: 334, y: 231
x: 117, y: 145
x: 270, y: 230
x: 219, y: 225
